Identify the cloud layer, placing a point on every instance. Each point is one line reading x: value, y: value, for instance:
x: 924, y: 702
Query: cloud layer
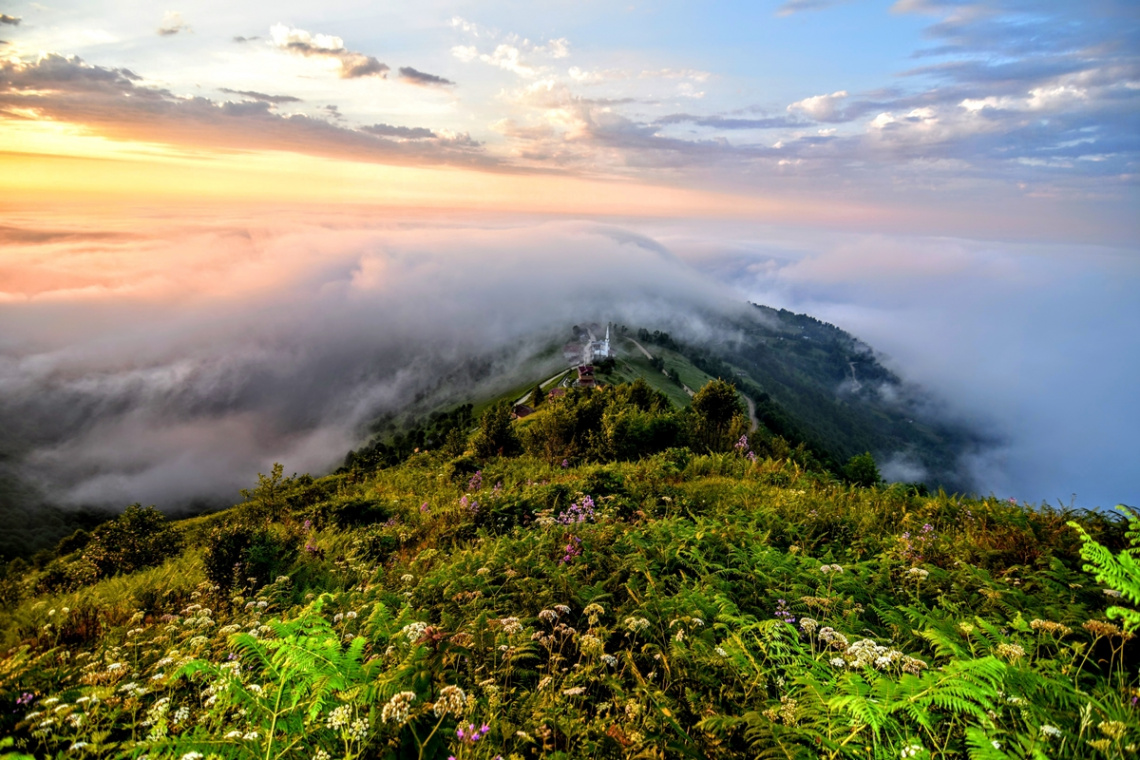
x: 252, y: 343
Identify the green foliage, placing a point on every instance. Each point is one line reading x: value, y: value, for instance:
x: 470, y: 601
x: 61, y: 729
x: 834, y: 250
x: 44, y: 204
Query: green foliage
x: 642, y: 600
x: 495, y: 436
x: 861, y: 470
x: 718, y: 417
x: 139, y: 537
x: 1120, y: 572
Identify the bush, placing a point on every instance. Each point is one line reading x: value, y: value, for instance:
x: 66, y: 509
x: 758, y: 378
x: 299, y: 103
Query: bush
x: 237, y: 552
x: 138, y: 538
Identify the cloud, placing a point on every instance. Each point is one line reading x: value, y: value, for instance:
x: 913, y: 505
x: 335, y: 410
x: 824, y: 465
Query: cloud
x: 412, y: 76
x: 114, y: 103
x: 979, y: 324
x: 271, y: 340
x: 791, y: 7
x: 239, y: 39
x: 352, y: 65
x: 405, y: 133
x: 172, y: 23
x: 822, y: 107
x: 10, y: 20
x: 253, y: 95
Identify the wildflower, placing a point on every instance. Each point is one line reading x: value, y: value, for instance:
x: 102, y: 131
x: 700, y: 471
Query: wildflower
x: 565, y: 463
x: 636, y: 624
x: 233, y: 735
x: 407, y: 578
x: 424, y: 507
x: 610, y: 660
x: 320, y: 754
x: 828, y: 569
x: 561, y: 609
x: 1048, y: 626
x: 1113, y: 729
x: 593, y: 611
x: 574, y: 691
x: 192, y: 756
x: 995, y: 743
x: 476, y: 481
x: 911, y: 750
x: 511, y: 625
x: 339, y: 717
x: 414, y: 631
x: 1050, y: 731
x: 398, y: 708
x: 1113, y: 593
x: 471, y: 735
x: 721, y: 652
x: 548, y: 616
x: 680, y: 636
x: 251, y: 736
x: 919, y: 573
x: 838, y: 662
x: 451, y: 700
x: 832, y: 637
x: 359, y: 729
x: 808, y: 625
x: 78, y: 745
x: 698, y: 622
x: 1010, y: 651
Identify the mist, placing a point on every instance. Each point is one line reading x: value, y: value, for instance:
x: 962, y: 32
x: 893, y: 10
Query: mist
x: 1032, y: 344
x: 169, y: 361
x: 177, y: 385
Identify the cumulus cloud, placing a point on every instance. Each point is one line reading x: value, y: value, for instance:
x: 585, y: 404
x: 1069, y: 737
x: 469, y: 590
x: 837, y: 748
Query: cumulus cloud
x: 172, y: 23
x: 273, y: 341
x: 10, y: 20
x: 413, y: 76
x: 352, y: 65
x: 822, y: 107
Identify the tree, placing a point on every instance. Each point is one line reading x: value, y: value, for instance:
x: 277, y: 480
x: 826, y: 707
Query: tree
x: 537, y: 397
x: 861, y: 470
x: 496, y: 436
x: 718, y: 416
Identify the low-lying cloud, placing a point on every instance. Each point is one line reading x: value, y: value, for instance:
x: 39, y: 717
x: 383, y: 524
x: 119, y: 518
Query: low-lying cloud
x: 253, y: 343
x: 1034, y: 344
x: 170, y: 364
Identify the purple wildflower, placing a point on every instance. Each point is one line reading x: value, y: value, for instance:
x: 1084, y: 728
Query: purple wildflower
x: 742, y: 444
x: 572, y: 549
x: 565, y: 463
x: 476, y: 481
x: 424, y: 507
x: 579, y: 511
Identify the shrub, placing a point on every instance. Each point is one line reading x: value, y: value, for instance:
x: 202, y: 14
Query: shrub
x: 138, y: 538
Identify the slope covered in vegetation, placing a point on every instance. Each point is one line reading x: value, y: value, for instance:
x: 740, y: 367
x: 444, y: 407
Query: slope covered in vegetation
x: 611, y: 577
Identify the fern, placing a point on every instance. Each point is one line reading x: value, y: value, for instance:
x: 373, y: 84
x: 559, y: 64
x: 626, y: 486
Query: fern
x: 1119, y: 572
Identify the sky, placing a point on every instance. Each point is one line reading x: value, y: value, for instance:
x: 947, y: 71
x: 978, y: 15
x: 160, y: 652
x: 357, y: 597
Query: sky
x: 189, y: 191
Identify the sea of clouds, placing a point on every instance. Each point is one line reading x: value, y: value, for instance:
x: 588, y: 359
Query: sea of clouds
x: 168, y: 360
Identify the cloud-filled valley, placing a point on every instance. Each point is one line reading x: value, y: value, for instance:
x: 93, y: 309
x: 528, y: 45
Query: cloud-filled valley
x: 172, y: 364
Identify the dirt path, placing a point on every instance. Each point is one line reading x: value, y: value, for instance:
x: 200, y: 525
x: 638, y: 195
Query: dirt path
x: 529, y: 393
x: 640, y: 348
x: 752, y: 414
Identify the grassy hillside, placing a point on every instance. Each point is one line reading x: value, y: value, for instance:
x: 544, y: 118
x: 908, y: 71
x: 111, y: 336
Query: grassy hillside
x: 591, y: 593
